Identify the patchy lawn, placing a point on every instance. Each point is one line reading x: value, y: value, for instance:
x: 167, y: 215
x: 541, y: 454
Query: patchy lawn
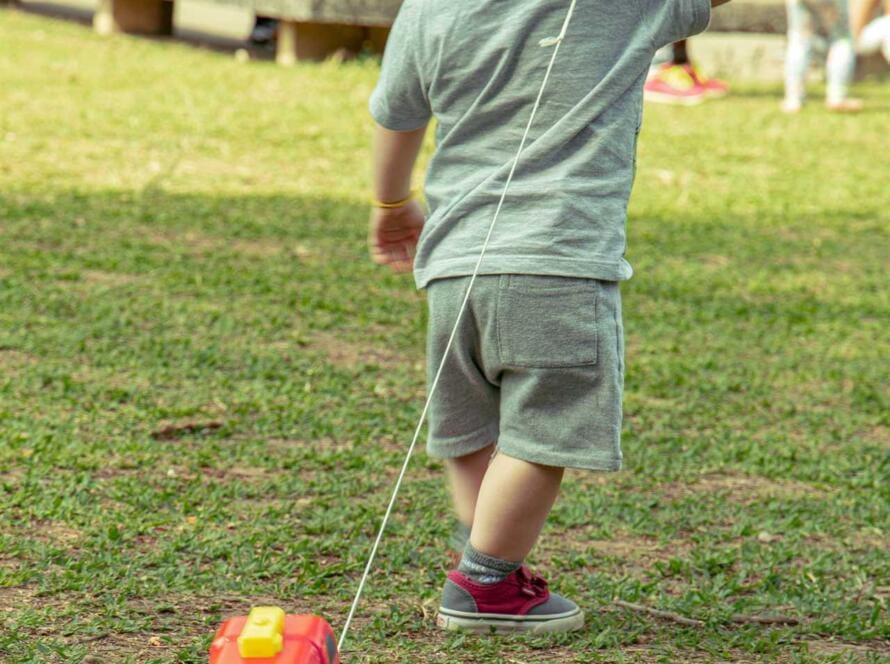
x: 206, y: 389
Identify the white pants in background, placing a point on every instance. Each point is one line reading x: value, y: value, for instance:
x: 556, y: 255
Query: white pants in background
x: 806, y: 19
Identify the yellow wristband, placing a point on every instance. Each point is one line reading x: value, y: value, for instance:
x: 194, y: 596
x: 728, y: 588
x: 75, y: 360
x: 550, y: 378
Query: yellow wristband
x: 395, y: 204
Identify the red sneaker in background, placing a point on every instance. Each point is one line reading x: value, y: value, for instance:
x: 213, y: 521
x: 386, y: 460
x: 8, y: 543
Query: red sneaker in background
x: 714, y: 88
x: 672, y: 84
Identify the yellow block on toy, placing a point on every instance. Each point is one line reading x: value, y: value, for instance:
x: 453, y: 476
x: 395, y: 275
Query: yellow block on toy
x: 262, y: 635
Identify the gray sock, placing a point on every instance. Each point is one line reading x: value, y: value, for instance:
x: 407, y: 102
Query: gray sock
x: 459, y: 537
x: 485, y: 569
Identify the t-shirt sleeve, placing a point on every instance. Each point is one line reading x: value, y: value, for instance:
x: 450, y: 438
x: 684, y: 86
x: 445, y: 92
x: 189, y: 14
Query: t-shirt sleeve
x: 673, y: 20
x: 400, y: 101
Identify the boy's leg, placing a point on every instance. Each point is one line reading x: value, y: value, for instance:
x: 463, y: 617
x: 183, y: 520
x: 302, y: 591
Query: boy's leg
x: 515, y: 498
x: 463, y: 416
x: 465, y: 476
x: 555, y: 345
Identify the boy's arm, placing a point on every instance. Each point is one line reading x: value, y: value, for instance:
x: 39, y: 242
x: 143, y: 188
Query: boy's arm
x: 393, y: 159
x: 394, y: 231
x: 717, y: 3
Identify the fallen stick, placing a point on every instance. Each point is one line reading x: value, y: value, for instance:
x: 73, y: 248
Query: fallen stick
x: 765, y: 620
x: 667, y: 615
x: 96, y: 637
x: 691, y: 622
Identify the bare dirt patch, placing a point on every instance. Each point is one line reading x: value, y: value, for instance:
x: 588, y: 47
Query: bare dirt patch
x: 13, y: 476
x: 859, y: 651
x: 11, y: 358
x: 256, y: 248
x: 240, y: 472
x: 870, y: 538
x: 350, y: 354
x: 115, y: 468
x: 122, y: 380
x: 743, y: 489
x: 58, y: 533
x: 110, y: 279
x: 250, y: 477
x: 647, y: 653
x: 202, y: 244
x: 878, y: 434
x: 632, y: 554
x: 197, y: 243
x: 327, y: 444
x: 13, y: 598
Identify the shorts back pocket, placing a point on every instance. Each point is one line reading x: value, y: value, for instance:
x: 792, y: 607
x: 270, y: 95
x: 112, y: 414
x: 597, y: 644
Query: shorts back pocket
x: 547, y: 322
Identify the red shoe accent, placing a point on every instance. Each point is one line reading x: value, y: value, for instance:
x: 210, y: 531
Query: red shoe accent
x: 714, y: 88
x: 672, y: 84
x: 516, y: 595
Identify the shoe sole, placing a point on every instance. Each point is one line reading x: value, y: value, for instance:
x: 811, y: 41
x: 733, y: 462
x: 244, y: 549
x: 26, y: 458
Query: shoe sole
x: 673, y: 100
x: 494, y: 623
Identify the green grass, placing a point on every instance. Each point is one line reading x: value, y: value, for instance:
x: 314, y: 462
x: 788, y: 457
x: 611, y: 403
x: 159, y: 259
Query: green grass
x: 206, y: 388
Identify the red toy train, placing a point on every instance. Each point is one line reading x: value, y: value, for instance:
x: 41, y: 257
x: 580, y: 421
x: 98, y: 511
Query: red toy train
x: 268, y: 636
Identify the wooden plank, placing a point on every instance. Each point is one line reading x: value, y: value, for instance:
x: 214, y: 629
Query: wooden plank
x: 751, y: 16
x: 366, y: 13
x: 144, y: 17
x: 765, y: 16
x: 141, y: 17
x: 317, y: 41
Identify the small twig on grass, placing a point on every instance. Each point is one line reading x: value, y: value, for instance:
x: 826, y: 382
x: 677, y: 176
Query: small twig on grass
x: 691, y: 622
x: 176, y: 431
x: 667, y: 615
x: 95, y: 637
x: 765, y: 620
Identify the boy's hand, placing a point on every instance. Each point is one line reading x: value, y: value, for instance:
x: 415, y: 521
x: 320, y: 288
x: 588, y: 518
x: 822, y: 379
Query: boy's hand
x: 393, y: 236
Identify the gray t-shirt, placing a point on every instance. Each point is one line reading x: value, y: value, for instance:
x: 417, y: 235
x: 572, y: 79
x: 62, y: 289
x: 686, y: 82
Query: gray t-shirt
x: 476, y: 66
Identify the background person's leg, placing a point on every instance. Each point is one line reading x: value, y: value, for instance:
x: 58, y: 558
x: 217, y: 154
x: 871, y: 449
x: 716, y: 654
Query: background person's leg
x: 669, y: 82
x: 871, y: 33
x: 841, y: 64
x: 862, y: 12
x: 680, y: 53
x: 797, y: 55
x: 874, y: 37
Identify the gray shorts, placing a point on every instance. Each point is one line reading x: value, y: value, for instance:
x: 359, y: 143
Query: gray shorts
x: 537, y: 366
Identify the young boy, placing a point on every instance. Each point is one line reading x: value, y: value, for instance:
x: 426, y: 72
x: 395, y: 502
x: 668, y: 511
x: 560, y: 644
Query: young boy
x: 533, y: 382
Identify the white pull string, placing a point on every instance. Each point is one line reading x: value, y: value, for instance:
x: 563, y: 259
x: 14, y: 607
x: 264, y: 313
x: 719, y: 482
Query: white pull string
x: 554, y: 41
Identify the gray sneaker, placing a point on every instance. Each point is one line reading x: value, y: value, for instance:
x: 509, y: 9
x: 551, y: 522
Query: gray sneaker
x: 519, y: 603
